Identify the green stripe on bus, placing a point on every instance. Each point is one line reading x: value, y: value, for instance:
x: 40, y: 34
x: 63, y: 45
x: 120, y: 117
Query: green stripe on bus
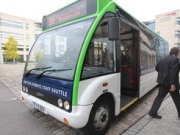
x: 108, y: 7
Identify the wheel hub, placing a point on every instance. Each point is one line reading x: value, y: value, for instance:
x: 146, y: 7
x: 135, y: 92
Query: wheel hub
x: 101, y: 118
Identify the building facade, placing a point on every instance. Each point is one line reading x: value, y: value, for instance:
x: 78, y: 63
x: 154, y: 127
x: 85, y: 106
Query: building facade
x: 167, y: 25
x: 24, y: 31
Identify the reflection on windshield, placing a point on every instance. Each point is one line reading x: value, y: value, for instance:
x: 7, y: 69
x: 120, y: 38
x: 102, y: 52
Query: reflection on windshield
x: 59, y: 49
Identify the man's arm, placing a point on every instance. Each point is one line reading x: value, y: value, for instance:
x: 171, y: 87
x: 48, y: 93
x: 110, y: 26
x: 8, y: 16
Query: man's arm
x: 157, y: 67
x: 173, y: 73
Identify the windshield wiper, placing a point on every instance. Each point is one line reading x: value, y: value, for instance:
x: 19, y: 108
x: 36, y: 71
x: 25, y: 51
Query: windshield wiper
x: 28, y: 73
x: 53, y: 70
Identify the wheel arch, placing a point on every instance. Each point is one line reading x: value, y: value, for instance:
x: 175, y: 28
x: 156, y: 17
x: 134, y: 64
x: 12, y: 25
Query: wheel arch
x: 108, y: 99
x: 109, y: 96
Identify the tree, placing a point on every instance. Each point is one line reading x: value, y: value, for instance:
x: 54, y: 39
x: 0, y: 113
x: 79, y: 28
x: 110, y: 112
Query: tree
x: 38, y: 55
x: 11, y: 49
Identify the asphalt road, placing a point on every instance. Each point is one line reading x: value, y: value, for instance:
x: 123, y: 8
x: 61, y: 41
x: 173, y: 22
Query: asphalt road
x: 15, y: 118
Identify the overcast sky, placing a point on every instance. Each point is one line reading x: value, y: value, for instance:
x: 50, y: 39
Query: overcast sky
x: 143, y: 10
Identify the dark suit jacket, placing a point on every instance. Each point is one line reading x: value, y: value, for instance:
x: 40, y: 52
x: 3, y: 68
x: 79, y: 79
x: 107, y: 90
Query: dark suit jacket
x: 168, y: 71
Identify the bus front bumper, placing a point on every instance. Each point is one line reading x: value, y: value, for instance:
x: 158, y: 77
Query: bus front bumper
x: 78, y: 118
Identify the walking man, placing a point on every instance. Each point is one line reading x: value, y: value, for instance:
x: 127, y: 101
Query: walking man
x: 168, y: 79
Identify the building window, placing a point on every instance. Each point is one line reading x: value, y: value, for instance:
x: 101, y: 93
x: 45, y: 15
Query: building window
x: 27, y: 26
x: 177, y: 44
x: 3, y: 48
x: 20, y: 45
x: 11, y: 24
x: 27, y: 37
x: 37, y: 27
x: 177, y: 33
x: 166, y: 18
x: 21, y: 59
x: 20, y: 49
x: 6, y: 35
x: 177, y: 20
x: 36, y: 36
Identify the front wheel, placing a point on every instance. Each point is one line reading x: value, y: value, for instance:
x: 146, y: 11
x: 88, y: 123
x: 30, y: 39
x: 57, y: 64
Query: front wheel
x: 100, y: 117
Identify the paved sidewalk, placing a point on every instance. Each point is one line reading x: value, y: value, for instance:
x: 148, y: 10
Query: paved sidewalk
x: 168, y: 125
x: 133, y: 121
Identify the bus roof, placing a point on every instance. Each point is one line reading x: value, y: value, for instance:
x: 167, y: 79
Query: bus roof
x: 82, y: 8
x: 141, y: 24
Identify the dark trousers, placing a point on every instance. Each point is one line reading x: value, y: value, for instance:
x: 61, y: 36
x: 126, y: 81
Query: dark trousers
x: 163, y: 91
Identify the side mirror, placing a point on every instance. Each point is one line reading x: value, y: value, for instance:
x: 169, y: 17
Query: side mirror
x: 113, y: 28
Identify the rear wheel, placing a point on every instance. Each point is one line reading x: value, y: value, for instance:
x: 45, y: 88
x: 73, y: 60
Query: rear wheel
x: 100, y: 117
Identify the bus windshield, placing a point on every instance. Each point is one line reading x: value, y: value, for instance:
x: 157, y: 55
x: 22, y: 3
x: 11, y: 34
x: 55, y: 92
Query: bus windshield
x: 59, y: 50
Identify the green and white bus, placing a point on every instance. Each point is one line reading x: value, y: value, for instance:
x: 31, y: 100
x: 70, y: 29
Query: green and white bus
x: 92, y: 61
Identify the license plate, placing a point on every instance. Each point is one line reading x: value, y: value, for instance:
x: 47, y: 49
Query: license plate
x: 39, y: 107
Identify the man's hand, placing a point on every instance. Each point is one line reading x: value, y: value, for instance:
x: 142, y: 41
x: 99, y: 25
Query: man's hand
x: 173, y: 88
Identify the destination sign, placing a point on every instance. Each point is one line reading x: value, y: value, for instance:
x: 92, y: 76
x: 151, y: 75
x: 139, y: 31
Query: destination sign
x: 79, y: 9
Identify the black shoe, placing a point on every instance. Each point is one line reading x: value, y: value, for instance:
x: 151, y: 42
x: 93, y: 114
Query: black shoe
x: 156, y: 116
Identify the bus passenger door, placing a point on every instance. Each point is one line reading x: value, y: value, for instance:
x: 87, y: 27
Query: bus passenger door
x: 129, y: 67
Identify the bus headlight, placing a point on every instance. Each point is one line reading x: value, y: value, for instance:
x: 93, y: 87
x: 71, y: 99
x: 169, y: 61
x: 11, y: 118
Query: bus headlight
x: 60, y: 103
x: 66, y: 105
x: 24, y: 88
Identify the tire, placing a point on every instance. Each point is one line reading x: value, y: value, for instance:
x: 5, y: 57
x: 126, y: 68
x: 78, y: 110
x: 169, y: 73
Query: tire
x: 100, y: 117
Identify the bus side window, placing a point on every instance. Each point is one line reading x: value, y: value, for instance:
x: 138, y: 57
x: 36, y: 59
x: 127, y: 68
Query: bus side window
x: 108, y: 59
x: 100, y: 59
x: 98, y: 56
